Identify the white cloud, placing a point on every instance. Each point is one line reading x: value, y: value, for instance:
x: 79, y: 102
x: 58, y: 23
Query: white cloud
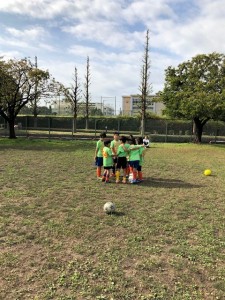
x: 112, y: 33
x: 27, y: 34
x: 146, y: 10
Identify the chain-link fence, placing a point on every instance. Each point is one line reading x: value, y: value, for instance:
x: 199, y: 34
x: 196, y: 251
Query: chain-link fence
x: 159, y: 130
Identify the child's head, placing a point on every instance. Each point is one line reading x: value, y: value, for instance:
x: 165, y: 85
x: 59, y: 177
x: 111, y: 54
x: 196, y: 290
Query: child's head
x: 132, y: 141
x: 102, y: 136
x: 123, y: 139
x: 146, y: 137
x: 116, y: 136
x: 107, y: 143
x: 139, y: 140
x: 131, y: 137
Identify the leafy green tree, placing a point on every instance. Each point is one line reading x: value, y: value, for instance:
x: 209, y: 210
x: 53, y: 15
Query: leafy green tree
x: 195, y: 90
x: 96, y: 112
x: 20, y: 83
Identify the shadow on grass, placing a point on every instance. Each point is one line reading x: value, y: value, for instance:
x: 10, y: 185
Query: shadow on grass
x: 117, y: 214
x: 168, y: 183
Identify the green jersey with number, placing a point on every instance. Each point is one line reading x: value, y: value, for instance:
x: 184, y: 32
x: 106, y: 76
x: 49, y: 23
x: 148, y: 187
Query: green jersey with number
x: 107, y: 157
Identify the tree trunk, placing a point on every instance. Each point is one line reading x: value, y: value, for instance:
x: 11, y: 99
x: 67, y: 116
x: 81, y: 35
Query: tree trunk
x: 87, y: 123
x: 12, y: 134
x: 198, y: 129
x: 74, y: 125
x: 35, y: 122
x: 142, y: 127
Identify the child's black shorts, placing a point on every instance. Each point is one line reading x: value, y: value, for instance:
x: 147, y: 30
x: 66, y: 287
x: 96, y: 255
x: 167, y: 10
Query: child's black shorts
x: 121, y: 163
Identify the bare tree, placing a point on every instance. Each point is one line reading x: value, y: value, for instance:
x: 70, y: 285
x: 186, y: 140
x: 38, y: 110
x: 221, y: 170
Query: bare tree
x: 145, y: 87
x: 86, y: 92
x: 34, y: 102
x: 72, y: 95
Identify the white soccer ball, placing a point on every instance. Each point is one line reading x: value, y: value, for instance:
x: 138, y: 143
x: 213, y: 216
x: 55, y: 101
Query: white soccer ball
x: 109, y: 207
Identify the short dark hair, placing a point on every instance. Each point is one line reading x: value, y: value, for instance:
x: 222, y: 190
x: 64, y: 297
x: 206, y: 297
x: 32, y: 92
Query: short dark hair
x: 123, y: 139
x: 103, y: 135
x: 140, y: 140
x: 116, y: 132
x: 132, y: 141
x: 107, y: 142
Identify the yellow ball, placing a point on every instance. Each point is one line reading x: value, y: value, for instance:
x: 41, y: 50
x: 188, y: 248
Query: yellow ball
x: 207, y: 172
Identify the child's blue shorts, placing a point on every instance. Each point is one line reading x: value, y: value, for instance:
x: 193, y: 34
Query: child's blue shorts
x: 99, y: 161
x: 134, y: 163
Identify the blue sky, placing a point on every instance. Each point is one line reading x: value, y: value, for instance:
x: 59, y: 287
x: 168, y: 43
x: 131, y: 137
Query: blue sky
x: 62, y: 33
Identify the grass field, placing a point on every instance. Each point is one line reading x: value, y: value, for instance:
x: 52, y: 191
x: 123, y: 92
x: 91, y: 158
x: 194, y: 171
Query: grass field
x: 166, y: 240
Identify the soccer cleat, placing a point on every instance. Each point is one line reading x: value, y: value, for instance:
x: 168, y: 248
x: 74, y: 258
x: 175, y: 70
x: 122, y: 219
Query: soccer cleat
x: 134, y: 181
x: 107, y: 181
x: 139, y: 180
x: 103, y: 179
x: 117, y: 181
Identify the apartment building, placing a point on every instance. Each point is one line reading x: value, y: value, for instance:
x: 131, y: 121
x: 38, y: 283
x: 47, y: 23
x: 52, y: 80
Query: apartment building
x: 131, y: 105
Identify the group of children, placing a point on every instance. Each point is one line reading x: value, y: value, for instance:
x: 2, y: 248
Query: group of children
x: 120, y: 153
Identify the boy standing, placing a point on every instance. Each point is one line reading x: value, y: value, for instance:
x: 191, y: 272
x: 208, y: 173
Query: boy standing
x: 114, y: 147
x: 134, y: 162
x: 99, y: 154
x: 107, y: 161
x: 142, y: 153
x: 122, y: 152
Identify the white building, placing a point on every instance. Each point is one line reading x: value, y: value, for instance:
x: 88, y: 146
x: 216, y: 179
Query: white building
x: 131, y: 105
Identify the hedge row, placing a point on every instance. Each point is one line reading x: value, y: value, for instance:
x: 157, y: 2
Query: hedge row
x: 153, y: 126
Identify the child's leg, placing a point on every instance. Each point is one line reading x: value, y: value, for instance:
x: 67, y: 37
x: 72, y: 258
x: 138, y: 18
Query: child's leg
x: 104, y: 175
x: 134, y: 171
x: 117, y: 176
x: 107, y: 175
x: 127, y: 171
x: 98, y: 172
x: 139, y: 173
x: 114, y: 167
x: 124, y: 175
x: 99, y: 163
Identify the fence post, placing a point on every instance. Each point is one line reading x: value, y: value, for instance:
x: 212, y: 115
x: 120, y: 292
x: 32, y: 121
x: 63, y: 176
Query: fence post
x: 216, y: 131
x: 166, y: 132
x: 49, y: 128
x: 26, y: 125
x: 5, y: 127
x: 72, y: 127
x: 192, y: 130
x: 95, y: 127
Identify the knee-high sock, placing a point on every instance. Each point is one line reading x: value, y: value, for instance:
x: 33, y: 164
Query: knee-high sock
x: 98, y: 171
x: 140, y: 175
x: 134, y: 175
x: 117, y: 175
